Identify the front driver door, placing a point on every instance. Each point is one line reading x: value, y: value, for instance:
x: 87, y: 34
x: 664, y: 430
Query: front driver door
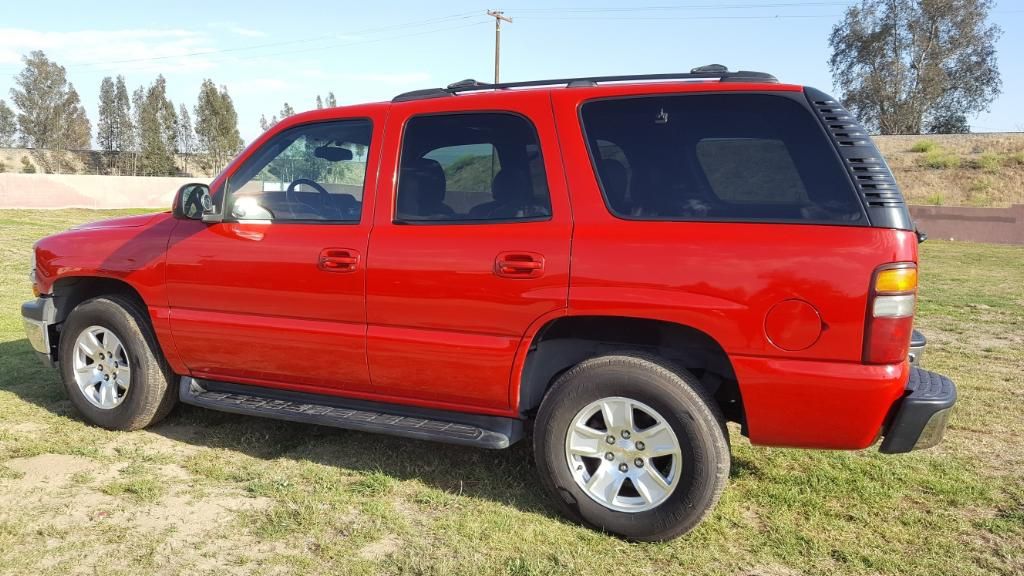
x: 274, y: 294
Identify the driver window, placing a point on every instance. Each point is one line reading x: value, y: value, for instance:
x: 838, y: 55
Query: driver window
x: 312, y: 172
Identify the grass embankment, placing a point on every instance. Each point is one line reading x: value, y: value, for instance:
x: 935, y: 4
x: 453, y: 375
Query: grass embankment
x: 984, y: 170
x: 215, y: 493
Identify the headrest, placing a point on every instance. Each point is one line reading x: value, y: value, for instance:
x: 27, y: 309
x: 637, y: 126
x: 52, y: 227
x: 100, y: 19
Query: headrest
x: 511, y: 186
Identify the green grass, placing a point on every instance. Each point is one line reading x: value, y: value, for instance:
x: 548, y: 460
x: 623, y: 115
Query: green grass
x: 923, y: 146
x: 207, y: 492
x: 939, y: 159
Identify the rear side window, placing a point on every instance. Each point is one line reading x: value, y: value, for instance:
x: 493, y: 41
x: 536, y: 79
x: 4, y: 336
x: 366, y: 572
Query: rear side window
x: 731, y: 157
x: 479, y: 167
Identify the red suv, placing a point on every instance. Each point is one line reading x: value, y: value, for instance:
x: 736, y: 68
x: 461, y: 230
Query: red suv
x: 617, y: 265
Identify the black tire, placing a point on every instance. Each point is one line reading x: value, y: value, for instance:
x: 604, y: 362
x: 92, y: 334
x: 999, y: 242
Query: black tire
x: 151, y: 394
x: 677, y: 396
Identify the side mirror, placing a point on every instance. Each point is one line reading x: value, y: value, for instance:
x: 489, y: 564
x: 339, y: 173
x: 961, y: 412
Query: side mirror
x: 193, y: 202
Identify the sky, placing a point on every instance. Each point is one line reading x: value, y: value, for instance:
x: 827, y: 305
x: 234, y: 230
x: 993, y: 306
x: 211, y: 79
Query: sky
x: 268, y: 53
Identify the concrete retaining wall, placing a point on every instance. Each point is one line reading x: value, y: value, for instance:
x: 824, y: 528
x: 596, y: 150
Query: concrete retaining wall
x: 997, y: 225
x: 81, y: 191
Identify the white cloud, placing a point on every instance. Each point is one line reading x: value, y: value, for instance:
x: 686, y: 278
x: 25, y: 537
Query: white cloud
x: 126, y: 50
x: 247, y: 32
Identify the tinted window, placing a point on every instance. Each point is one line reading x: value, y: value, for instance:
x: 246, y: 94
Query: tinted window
x: 717, y: 157
x: 310, y: 172
x: 471, y: 167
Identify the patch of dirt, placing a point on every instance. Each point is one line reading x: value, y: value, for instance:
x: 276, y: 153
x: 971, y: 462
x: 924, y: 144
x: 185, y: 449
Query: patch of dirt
x: 380, y: 549
x: 48, y: 469
x: 186, y: 518
x: 58, y: 498
x: 753, y: 518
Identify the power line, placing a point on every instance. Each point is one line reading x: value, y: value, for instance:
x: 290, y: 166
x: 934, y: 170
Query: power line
x: 665, y: 8
x: 672, y: 18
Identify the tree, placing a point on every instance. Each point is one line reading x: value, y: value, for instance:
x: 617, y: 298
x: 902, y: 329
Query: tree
x: 124, y: 128
x: 216, y: 125
x: 286, y: 111
x: 186, y: 136
x: 50, y: 113
x: 74, y: 131
x: 266, y: 124
x: 106, y: 123
x: 319, y: 103
x: 158, y: 131
x: 331, y: 102
x: 8, y: 126
x: 908, y: 66
x: 138, y: 99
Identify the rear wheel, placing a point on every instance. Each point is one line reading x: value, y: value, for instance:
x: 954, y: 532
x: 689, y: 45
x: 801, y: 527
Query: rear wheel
x: 632, y: 445
x: 112, y: 367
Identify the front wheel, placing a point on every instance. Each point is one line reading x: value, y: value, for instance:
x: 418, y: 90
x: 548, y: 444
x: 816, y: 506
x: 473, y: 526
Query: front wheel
x: 112, y: 367
x: 632, y: 445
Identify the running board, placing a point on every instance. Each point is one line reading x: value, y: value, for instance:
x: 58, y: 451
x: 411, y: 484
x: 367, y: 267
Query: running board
x: 396, y: 420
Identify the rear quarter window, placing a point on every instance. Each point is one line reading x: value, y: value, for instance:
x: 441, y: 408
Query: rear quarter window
x: 717, y: 157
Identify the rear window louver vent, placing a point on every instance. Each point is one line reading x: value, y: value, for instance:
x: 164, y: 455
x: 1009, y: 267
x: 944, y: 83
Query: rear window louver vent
x: 870, y: 174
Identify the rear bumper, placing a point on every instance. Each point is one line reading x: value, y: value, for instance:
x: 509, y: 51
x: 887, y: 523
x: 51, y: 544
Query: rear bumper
x: 37, y: 316
x: 817, y: 404
x: 920, y: 417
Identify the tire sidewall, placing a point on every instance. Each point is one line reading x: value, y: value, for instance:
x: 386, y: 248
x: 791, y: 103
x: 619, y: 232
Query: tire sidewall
x: 107, y: 314
x: 703, y: 448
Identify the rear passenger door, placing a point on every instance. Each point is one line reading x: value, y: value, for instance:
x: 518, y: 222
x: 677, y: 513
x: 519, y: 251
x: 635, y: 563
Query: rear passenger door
x: 470, y: 247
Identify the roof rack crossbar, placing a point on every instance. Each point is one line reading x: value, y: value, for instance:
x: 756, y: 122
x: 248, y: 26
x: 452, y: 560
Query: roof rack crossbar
x: 711, y: 72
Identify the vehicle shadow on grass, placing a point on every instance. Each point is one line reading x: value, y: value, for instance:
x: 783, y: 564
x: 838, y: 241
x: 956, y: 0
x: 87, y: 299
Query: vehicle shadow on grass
x: 504, y: 476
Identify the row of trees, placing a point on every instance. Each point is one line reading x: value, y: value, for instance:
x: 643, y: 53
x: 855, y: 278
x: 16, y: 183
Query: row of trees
x: 139, y: 134
x: 286, y: 110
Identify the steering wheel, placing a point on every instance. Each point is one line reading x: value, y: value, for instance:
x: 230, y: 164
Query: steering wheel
x: 290, y: 192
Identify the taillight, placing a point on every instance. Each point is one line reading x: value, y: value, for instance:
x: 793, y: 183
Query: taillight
x: 890, y: 313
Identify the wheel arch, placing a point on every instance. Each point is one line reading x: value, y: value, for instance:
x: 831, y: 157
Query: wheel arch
x: 70, y: 291
x: 565, y: 341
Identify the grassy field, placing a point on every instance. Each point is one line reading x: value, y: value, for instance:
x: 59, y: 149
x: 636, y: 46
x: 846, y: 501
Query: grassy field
x: 206, y: 492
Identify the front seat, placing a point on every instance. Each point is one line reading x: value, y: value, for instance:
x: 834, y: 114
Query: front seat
x: 421, y: 190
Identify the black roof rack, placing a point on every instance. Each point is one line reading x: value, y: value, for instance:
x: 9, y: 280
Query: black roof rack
x: 711, y: 71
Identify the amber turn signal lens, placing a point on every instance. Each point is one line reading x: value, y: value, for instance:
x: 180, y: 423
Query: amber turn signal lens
x: 896, y: 280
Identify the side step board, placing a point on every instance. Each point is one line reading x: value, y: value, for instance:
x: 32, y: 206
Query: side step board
x: 396, y: 420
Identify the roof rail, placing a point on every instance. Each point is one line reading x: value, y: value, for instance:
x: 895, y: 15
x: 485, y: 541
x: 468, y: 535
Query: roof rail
x: 709, y: 72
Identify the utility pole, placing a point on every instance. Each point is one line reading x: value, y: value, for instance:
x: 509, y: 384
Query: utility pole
x: 498, y: 16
